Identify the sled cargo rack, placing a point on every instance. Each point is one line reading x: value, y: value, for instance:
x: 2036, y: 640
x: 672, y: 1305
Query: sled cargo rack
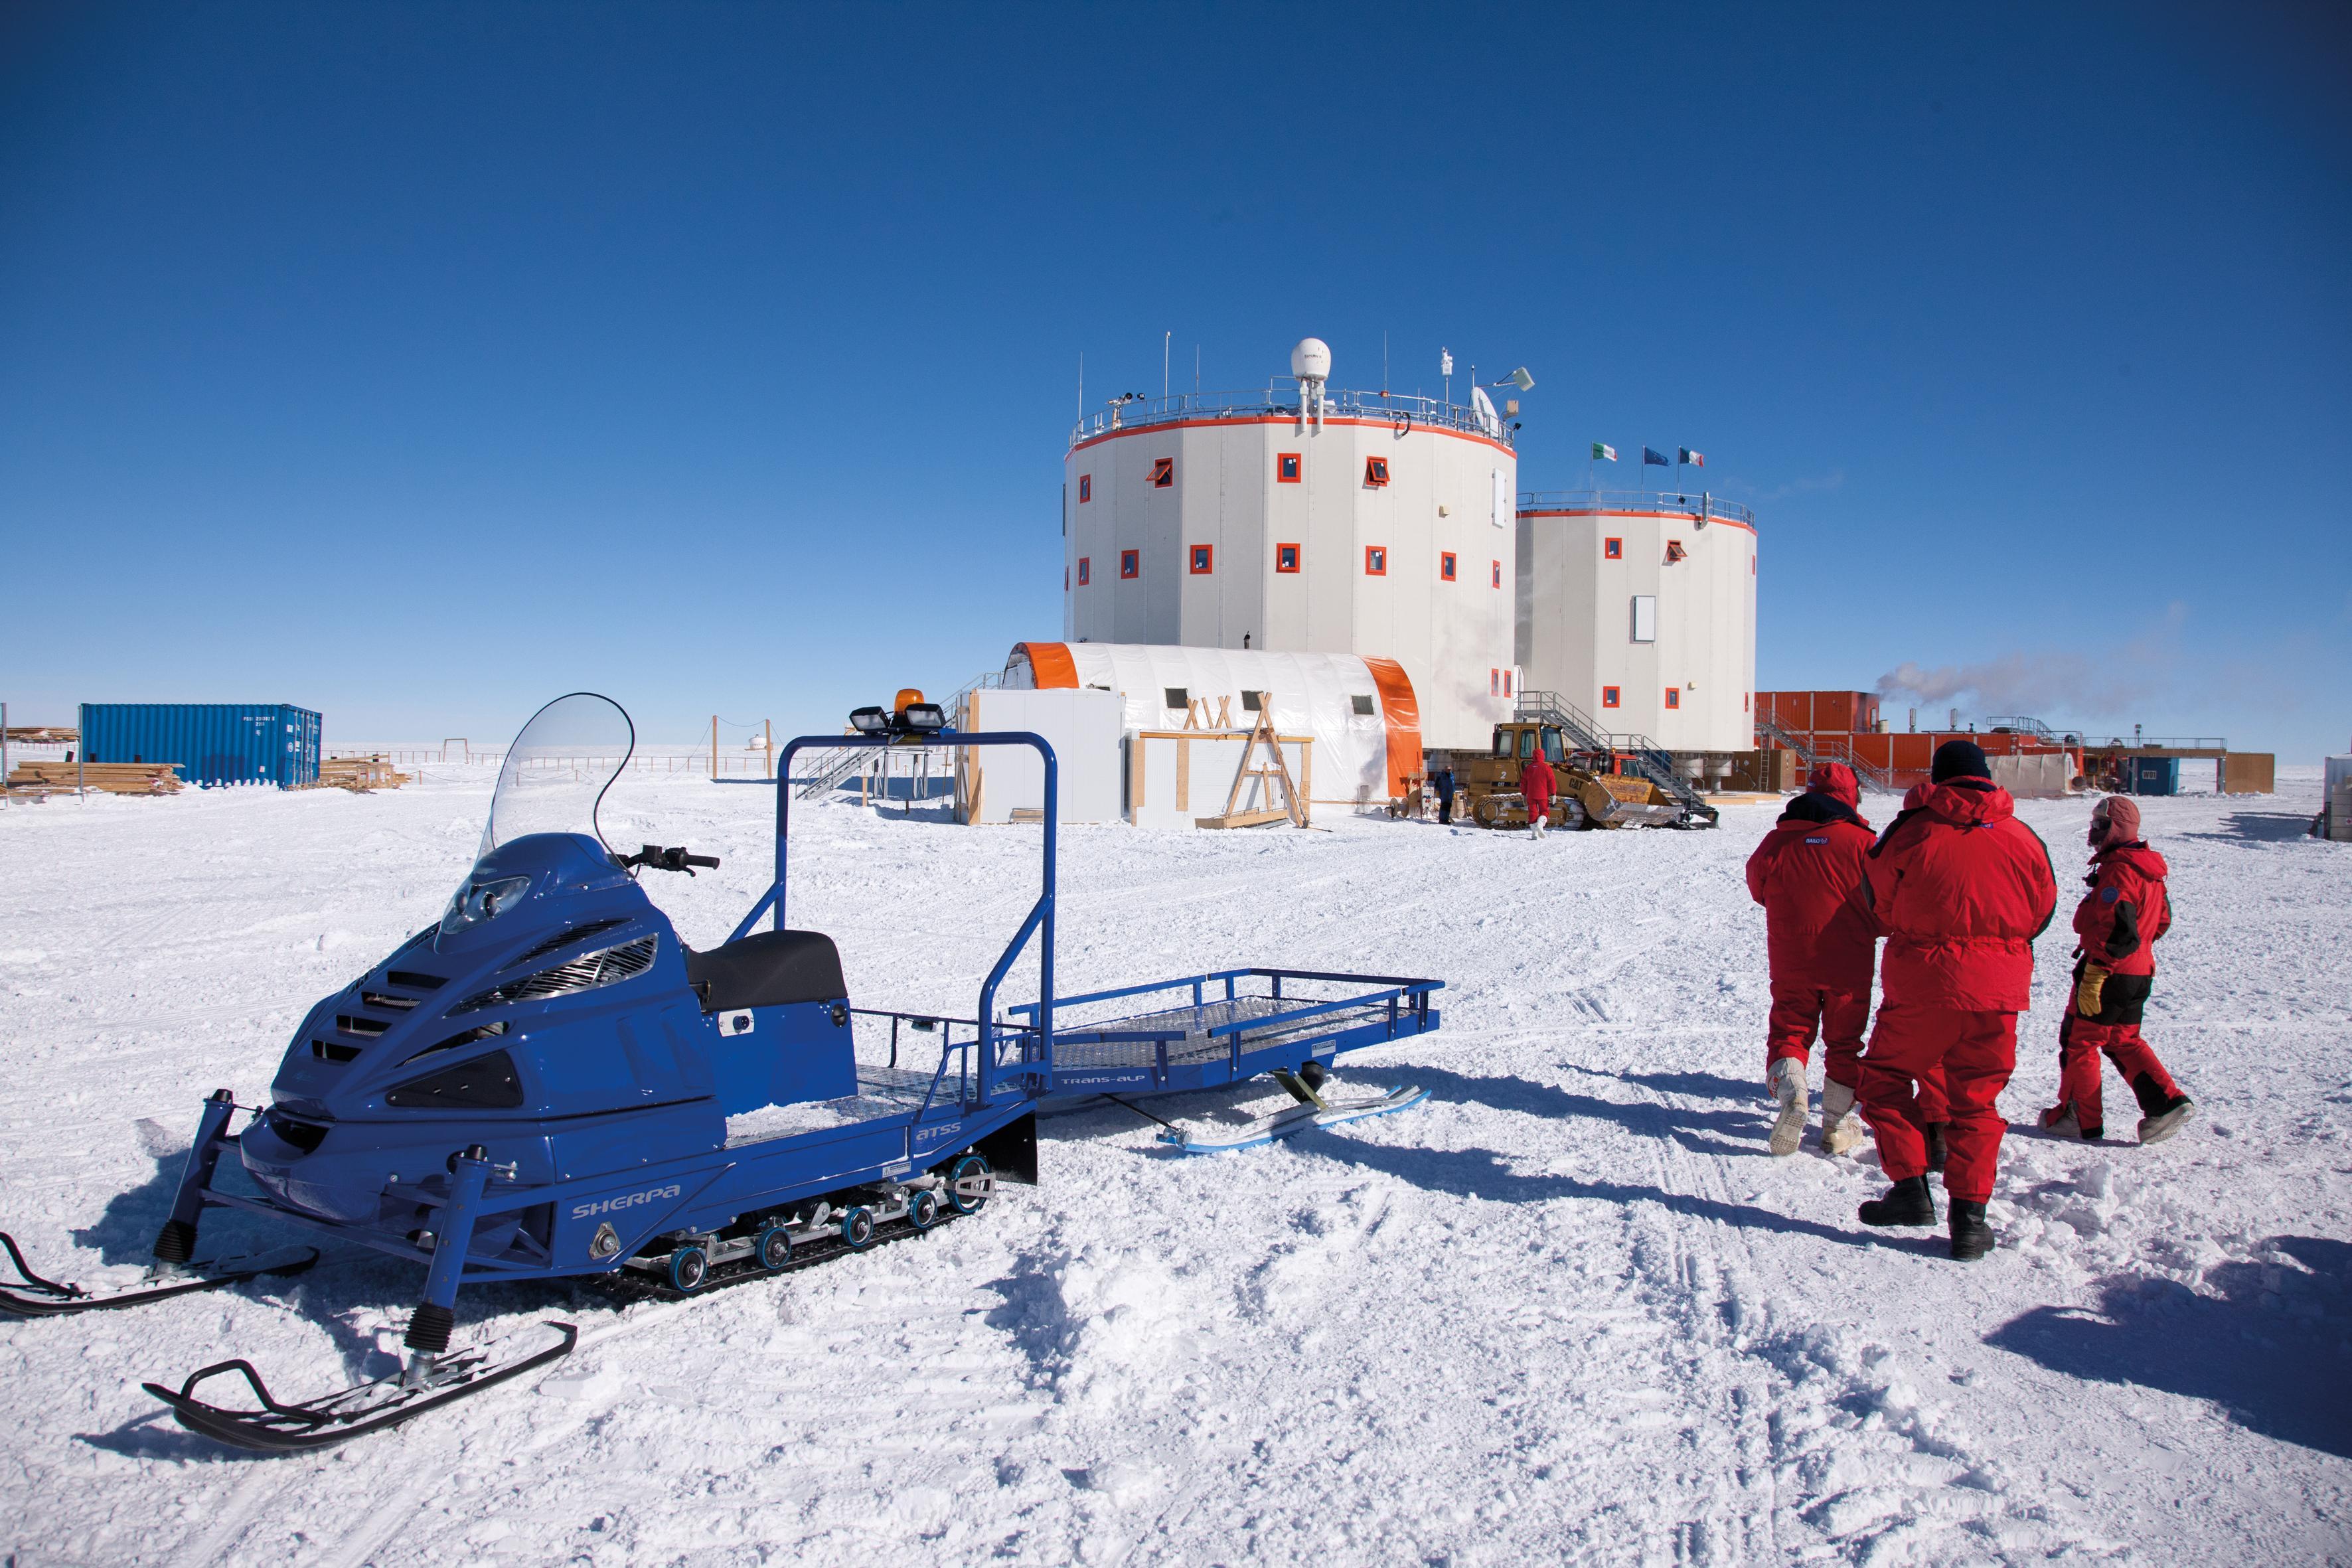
x: 1226, y: 1032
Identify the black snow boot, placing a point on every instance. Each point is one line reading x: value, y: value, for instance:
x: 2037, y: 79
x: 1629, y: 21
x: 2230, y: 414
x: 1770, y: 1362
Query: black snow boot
x: 1908, y: 1202
x: 1971, y: 1236
x: 1936, y: 1147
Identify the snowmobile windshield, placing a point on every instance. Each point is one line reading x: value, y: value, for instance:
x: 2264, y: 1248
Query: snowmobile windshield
x: 559, y: 768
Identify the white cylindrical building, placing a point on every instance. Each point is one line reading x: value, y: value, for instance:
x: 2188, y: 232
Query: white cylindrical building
x: 1640, y: 608
x: 1300, y: 519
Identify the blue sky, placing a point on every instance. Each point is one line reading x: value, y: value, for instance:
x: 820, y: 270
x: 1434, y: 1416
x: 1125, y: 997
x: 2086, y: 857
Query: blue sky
x: 414, y: 362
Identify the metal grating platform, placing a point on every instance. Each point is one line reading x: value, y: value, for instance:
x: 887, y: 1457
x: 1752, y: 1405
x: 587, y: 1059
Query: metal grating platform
x: 1189, y: 1026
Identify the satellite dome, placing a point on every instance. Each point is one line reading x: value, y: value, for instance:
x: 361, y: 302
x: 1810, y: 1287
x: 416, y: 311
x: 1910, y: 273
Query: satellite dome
x: 1311, y: 360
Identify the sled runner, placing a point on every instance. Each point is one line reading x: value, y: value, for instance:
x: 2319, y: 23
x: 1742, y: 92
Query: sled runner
x: 547, y: 1083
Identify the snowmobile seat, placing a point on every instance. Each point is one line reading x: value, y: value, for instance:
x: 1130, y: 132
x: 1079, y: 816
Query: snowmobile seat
x: 767, y: 969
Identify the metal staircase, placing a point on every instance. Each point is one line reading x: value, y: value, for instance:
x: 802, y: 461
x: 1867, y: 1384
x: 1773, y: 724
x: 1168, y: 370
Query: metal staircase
x: 1645, y: 756
x: 833, y: 767
x: 1832, y: 749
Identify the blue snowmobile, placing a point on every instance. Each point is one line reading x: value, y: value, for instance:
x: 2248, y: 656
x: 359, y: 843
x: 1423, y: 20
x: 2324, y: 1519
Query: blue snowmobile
x: 547, y: 1082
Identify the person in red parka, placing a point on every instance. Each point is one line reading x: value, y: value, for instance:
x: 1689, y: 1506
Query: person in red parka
x: 2117, y: 924
x: 1821, y: 944
x: 1960, y: 889
x: 1536, y: 787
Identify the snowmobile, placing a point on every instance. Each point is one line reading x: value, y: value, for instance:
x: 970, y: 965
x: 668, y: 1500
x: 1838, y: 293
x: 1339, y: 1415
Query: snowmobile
x: 547, y: 1083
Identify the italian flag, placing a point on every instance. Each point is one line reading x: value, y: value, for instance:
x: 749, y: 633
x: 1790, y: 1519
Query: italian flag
x: 1603, y: 450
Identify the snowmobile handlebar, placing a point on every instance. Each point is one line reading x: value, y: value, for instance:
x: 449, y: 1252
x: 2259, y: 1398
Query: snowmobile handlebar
x: 671, y: 859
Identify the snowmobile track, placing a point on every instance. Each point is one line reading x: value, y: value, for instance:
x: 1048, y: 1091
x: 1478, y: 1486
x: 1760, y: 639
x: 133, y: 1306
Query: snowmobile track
x: 629, y: 1285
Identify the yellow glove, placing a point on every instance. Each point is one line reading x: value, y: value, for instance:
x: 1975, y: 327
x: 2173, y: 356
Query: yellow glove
x: 2088, y: 990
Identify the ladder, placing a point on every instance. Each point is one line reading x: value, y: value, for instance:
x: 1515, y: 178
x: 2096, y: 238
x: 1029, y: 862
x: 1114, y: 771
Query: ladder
x: 1832, y: 750
x: 1647, y: 758
x: 833, y: 767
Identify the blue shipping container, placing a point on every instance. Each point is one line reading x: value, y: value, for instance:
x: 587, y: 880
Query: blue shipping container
x: 2155, y: 775
x: 212, y: 742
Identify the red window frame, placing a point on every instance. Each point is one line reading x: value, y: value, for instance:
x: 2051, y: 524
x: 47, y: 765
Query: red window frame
x: 1498, y: 574
x: 1203, y: 559
x: 1286, y: 558
x: 1163, y: 473
x: 1608, y: 695
x: 1288, y: 468
x: 1507, y: 683
x: 1613, y: 550
x: 1376, y: 560
x: 1494, y: 682
x: 1085, y: 489
x: 1675, y: 551
x: 1376, y: 473
x: 1446, y: 565
x: 1130, y: 563
x: 1085, y: 570
x: 1674, y: 696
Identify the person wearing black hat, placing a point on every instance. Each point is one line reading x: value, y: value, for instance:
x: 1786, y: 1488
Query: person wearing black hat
x: 1960, y: 889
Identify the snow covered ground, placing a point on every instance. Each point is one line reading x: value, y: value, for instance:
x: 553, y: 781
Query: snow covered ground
x: 1569, y: 1310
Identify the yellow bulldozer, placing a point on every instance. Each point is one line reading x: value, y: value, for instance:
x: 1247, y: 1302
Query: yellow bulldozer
x: 1592, y: 793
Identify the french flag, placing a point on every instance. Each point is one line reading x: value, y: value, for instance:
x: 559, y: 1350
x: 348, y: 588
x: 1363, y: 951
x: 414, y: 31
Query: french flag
x: 1696, y: 459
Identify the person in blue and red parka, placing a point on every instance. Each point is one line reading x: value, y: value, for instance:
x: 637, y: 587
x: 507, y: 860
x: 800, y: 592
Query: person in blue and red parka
x: 1822, y: 946
x: 1960, y: 889
x: 2117, y: 924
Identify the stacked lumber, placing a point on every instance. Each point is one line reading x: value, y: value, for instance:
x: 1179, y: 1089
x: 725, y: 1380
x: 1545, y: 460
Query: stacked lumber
x: 113, y: 778
x: 358, y: 774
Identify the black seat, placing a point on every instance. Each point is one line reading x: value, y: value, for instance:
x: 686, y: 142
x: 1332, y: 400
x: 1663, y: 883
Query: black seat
x: 767, y: 969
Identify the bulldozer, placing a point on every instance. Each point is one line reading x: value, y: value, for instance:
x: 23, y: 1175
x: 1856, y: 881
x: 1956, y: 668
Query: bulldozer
x: 1592, y: 792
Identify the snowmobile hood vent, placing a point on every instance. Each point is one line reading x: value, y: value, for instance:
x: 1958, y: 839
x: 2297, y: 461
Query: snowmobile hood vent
x: 606, y: 966
x: 565, y: 938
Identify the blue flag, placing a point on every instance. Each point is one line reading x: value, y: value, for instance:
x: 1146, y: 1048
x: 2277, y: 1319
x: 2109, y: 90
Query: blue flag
x: 1650, y: 454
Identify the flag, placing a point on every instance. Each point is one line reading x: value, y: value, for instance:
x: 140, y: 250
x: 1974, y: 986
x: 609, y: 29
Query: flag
x: 1602, y: 449
x: 1650, y: 454
x: 1696, y: 459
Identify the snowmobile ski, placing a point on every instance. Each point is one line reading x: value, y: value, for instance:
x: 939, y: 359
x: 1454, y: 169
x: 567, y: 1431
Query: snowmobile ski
x: 388, y: 1401
x: 1290, y: 1120
x: 31, y: 1296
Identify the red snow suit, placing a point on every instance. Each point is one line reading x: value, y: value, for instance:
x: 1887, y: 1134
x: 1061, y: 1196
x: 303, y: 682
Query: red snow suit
x: 1536, y: 786
x: 2118, y: 922
x: 1960, y: 888
x: 1807, y: 874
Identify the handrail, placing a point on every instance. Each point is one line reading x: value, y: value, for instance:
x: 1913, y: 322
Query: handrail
x: 1652, y: 760
x: 1397, y: 408
x: 1835, y: 749
x: 1703, y: 503
x: 1040, y: 920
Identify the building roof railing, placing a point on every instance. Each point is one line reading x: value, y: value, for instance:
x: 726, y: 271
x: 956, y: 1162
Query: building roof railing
x: 1395, y: 408
x: 1698, y: 504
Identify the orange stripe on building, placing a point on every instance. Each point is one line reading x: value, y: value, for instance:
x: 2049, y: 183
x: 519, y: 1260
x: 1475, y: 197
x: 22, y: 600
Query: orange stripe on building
x: 1050, y: 665
x: 1401, y: 713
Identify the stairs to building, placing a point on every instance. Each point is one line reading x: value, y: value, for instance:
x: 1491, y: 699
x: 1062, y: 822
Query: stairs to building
x: 1814, y: 750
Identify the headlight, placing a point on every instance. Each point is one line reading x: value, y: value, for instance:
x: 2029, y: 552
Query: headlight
x: 479, y: 901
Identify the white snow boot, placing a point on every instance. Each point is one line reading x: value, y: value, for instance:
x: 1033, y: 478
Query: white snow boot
x: 1788, y: 1083
x: 2166, y: 1122
x: 1841, y: 1128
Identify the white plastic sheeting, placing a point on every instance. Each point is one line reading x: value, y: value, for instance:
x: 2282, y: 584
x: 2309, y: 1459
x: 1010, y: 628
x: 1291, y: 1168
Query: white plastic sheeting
x: 1334, y: 697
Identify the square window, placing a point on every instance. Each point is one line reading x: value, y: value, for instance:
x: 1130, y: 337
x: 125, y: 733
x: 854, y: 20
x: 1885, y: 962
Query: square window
x: 1286, y: 558
x: 1203, y: 559
x: 1609, y: 697
x: 1675, y: 551
x: 1674, y: 696
x: 1362, y: 705
x: 1163, y: 473
x: 1613, y: 550
x: 1286, y: 469
x: 1130, y: 564
x: 1085, y: 570
x: 1176, y: 696
x: 1250, y: 701
x: 1376, y: 561
x: 1446, y: 564
x: 1376, y: 471
x: 1085, y: 489
x: 1498, y: 574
